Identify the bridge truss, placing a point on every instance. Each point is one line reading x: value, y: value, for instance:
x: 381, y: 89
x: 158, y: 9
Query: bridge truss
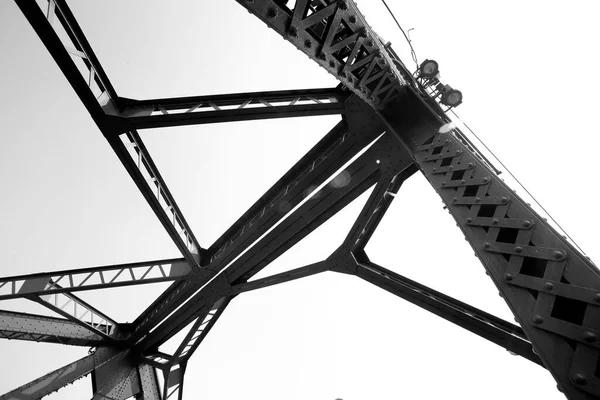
x: 551, y: 288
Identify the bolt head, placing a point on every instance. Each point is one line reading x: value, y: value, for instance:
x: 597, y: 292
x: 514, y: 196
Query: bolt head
x: 477, y: 199
x: 579, y: 379
x: 486, y: 245
x: 559, y: 255
x: 537, y: 319
x: 495, y: 221
x: 548, y: 286
x: 504, y: 200
x: 589, y: 337
x: 526, y: 224
x: 508, y: 277
x: 518, y: 249
x: 469, y: 220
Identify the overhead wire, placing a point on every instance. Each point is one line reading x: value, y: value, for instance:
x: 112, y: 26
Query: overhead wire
x: 412, y: 50
x: 518, y: 181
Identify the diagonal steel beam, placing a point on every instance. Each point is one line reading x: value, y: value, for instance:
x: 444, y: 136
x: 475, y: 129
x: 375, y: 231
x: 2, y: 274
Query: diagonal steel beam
x: 198, y: 331
x: 282, y: 277
x: 359, y: 127
x: 486, y: 325
x: 159, y: 113
x: 94, y: 278
x: 99, y: 98
x: 76, y: 310
x: 39, y: 328
x: 358, y: 177
x: 61, y: 377
x: 375, y: 208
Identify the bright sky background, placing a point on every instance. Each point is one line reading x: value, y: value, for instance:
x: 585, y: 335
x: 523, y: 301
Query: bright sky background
x: 527, y: 73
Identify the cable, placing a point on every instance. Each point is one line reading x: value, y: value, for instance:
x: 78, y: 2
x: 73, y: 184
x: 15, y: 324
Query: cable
x: 412, y: 50
x: 519, y: 182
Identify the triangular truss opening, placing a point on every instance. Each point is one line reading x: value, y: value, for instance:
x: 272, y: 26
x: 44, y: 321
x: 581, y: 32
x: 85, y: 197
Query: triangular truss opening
x: 426, y: 246
x: 191, y: 160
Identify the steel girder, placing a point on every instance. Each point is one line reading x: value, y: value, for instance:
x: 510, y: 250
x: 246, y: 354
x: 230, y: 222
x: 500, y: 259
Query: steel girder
x: 93, y: 278
x: 39, y: 328
x: 547, y: 283
x: 158, y: 113
x: 541, y: 276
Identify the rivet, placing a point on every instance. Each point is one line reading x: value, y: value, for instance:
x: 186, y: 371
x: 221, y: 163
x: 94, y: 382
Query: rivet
x: 343, y: 5
x: 508, y: 277
x: 537, y: 319
x: 443, y: 183
x: 597, y: 297
x: 307, y: 44
x: 477, y: 199
x: 426, y: 157
x: 271, y: 13
x: 548, y: 286
x: 558, y: 255
x: 579, y: 379
x: 454, y: 200
x: 369, y: 43
x: 293, y: 32
x: 469, y: 220
x: 504, y: 200
x: 518, y: 249
x: 462, y: 181
x: 331, y: 64
x: 495, y: 221
x: 471, y: 165
x: 447, y: 141
x: 434, y: 169
x: 486, y: 180
x: 451, y: 167
x: 526, y: 224
x: 352, y: 19
x: 486, y: 245
x: 589, y: 337
x: 458, y: 151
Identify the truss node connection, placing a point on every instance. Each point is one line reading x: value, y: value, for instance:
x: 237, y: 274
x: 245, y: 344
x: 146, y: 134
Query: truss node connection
x: 389, y: 130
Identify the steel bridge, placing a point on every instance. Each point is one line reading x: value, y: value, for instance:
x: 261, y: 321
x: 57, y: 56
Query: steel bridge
x: 551, y: 288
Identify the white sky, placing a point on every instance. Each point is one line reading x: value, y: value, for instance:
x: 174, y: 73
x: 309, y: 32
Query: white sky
x: 525, y: 70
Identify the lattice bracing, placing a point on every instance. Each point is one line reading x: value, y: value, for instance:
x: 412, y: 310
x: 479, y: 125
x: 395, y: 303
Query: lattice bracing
x: 389, y: 130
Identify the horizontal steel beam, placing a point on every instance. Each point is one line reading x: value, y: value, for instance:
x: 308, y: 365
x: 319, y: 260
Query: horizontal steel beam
x: 39, y: 328
x: 159, y: 113
x: 486, y: 325
x: 93, y: 278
